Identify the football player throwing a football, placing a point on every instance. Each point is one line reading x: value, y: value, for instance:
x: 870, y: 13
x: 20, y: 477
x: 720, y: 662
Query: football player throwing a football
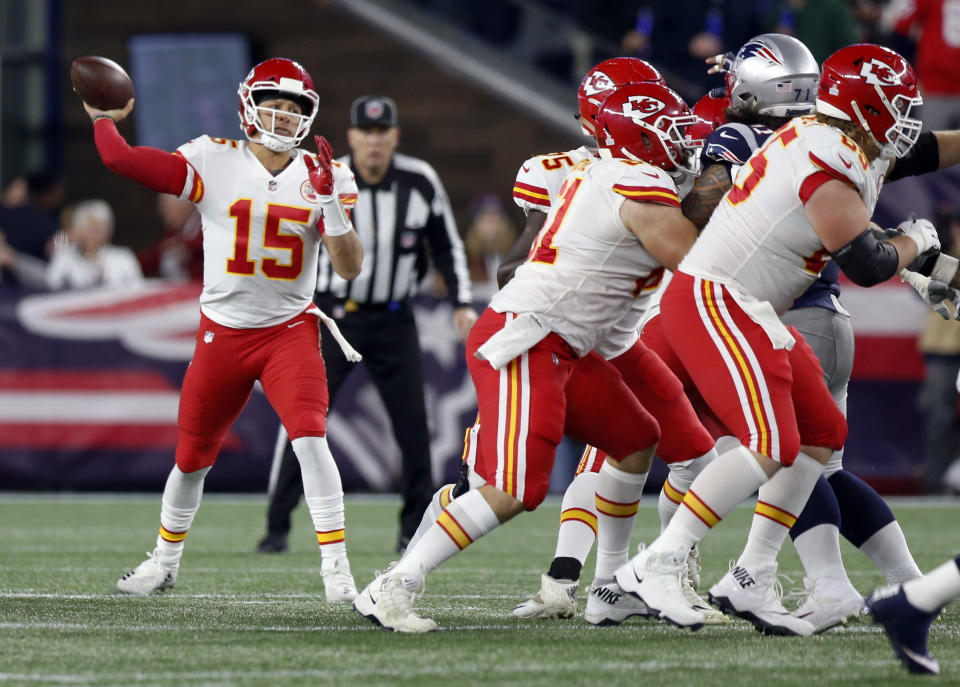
x: 266, y: 206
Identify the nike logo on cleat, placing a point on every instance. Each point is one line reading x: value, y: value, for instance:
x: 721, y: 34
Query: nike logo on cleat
x: 742, y: 577
x: 607, y: 595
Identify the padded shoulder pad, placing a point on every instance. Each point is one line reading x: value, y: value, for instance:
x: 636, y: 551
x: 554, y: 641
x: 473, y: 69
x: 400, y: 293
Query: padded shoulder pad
x: 530, y: 189
x: 830, y: 151
x: 734, y: 143
x: 642, y: 182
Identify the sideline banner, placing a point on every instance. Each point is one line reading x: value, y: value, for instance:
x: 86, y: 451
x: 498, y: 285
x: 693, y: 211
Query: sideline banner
x: 89, y: 387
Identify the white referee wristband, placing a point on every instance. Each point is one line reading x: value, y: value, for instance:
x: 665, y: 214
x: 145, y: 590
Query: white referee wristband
x: 335, y: 220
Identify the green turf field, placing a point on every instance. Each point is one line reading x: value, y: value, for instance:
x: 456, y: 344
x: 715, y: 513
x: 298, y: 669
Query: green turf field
x: 241, y: 618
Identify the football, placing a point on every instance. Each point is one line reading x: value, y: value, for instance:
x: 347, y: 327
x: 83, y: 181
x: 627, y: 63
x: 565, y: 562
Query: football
x: 101, y: 82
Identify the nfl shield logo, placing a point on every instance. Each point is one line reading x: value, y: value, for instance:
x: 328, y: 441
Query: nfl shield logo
x: 373, y: 109
x: 272, y: 185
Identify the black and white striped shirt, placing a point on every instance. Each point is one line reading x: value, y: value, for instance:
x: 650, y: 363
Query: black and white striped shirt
x: 396, y: 219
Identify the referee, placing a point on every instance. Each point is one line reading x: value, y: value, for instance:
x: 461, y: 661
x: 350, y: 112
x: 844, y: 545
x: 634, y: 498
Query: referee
x: 401, y: 210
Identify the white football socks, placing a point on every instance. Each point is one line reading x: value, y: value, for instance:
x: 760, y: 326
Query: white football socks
x: 888, y: 550
x: 935, y: 589
x: 617, y: 499
x: 466, y: 519
x: 779, y: 502
x: 323, y: 494
x: 729, y: 479
x: 578, y: 518
x: 179, y: 505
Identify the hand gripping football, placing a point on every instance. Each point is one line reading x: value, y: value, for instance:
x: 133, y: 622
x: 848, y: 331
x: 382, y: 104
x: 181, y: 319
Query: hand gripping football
x: 101, y: 82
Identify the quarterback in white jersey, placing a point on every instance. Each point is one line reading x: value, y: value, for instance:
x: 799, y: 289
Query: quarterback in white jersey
x: 261, y: 232
x: 265, y: 207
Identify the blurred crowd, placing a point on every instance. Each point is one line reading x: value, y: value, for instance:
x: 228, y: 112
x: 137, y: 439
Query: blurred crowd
x: 46, y: 244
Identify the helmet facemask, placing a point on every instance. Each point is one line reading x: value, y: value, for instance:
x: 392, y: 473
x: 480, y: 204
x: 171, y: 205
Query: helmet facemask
x: 252, y: 114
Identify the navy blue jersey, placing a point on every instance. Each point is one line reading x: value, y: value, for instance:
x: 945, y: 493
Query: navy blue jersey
x: 733, y: 144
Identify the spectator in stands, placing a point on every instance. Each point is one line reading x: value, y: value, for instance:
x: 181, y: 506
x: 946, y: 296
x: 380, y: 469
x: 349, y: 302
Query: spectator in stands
x: 937, y: 36
x: 490, y: 233
x: 89, y: 259
x: 940, y: 343
x: 178, y: 255
x: 679, y: 41
x: 824, y: 26
x: 28, y: 223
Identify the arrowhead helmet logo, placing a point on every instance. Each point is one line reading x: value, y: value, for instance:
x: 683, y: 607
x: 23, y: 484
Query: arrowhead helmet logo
x: 877, y: 73
x: 598, y: 82
x: 642, y: 106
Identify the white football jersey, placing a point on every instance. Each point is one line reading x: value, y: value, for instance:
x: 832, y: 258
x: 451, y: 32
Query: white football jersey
x: 260, y: 232
x: 539, y: 179
x: 759, y: 240
x: 586, y: 269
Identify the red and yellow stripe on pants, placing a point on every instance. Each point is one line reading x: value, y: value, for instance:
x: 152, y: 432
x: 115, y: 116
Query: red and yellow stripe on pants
x: 768, y: 510
x: 580, y: 515
x: 454, y: 530
x: 742, y: 366
x: 172, y: 537
x: 330, y: 537
x: 591, y: 460
x: 616, y: 510
x: 513, y: 426
x: 446, y: 496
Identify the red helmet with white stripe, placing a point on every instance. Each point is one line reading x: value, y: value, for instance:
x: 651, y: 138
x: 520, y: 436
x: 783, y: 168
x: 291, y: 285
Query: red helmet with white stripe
x: 277, y: 78
x: 875, y: 88
x: 606, y: 77
x: 648, y: 121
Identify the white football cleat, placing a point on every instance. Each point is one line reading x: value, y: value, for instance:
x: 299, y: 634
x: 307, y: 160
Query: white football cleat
x: 693, y: 567
x: 148, y: 577
x: 338, y: 584
x: 608, y: 604
x: 655, y: 577
x: 829, y: 602
x: 388, y: 602
x: 754, y: 594
x: 556, y: 599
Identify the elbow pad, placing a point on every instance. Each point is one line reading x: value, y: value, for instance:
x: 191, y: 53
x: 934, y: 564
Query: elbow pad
x: 867, y: 261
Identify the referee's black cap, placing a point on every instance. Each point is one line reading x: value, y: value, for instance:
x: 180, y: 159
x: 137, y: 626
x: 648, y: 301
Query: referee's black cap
x: 373, y: 110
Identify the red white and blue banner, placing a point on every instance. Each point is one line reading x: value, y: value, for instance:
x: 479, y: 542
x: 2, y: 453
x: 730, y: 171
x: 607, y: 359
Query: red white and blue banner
x: 89, y: 390
x: 89, y: 387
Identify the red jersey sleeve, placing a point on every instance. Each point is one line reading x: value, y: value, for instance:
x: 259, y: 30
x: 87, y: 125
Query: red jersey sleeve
x: 155, y: 169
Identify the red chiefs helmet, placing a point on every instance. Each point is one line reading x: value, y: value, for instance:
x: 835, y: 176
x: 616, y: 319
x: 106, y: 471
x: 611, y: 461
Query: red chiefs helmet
x: 603, y: 79
x: 711, y: 109
x: 277, y: 78
x: 875, y: 88
x: 647, y: 121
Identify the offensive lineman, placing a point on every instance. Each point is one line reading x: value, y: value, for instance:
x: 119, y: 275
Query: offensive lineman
x: 763, y: 246
x: 266, y: 206
x: 587, y: 266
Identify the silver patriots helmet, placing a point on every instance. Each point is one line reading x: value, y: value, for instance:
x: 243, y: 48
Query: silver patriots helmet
x: 773, y: 74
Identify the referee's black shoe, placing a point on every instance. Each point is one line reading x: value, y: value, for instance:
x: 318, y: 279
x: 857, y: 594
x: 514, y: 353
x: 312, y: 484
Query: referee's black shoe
x: 272, y: 543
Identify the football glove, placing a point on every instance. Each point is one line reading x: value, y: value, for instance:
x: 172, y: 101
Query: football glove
x: 923, y: 233
x: 721, y: 64
x: 935, y: 293
x: 321, y: 171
